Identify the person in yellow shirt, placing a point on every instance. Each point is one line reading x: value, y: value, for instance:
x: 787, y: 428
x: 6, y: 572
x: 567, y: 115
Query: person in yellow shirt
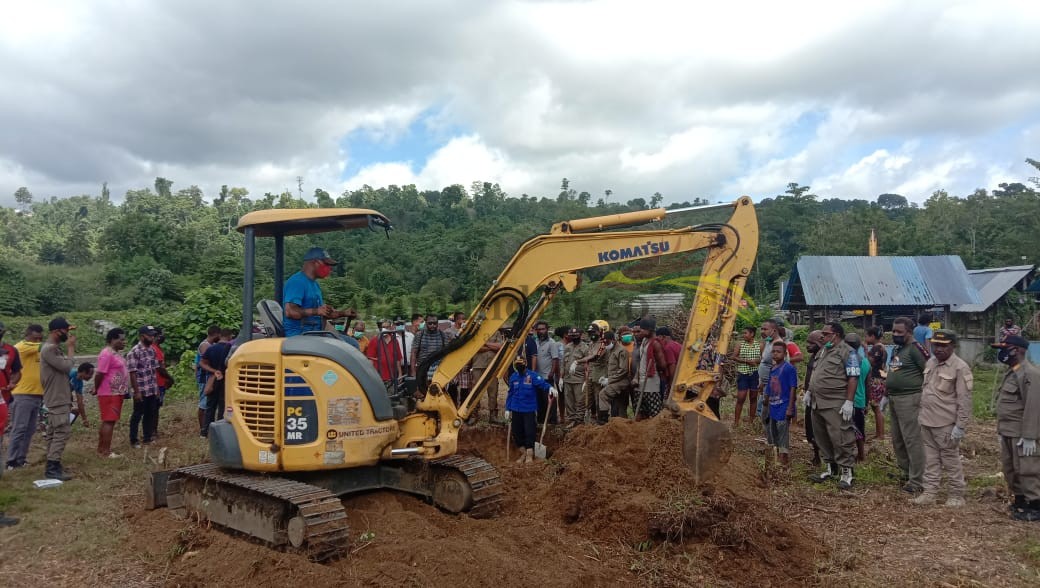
x: 28, y: 398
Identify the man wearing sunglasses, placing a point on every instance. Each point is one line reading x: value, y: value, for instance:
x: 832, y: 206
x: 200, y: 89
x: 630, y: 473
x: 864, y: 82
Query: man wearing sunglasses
x: 304, y: 307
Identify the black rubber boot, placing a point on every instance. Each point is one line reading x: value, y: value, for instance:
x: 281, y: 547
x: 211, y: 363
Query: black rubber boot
x: 1020, y: 502
x: 54, y: 472
x: 603, y: 417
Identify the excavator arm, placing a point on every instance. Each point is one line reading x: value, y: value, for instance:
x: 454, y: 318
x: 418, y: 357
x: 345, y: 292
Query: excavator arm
x: 547, y: 264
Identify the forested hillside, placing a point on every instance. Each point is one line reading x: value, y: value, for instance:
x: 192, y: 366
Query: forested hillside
x: 155, y: 246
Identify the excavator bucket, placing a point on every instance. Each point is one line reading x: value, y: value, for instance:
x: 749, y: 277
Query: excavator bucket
x: 706, y: 445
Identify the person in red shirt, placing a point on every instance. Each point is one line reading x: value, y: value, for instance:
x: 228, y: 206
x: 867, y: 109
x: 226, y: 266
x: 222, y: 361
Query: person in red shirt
x: 10, y: 371
x: 385, y: 354
x: 162, y: 377
x: 672, y: 351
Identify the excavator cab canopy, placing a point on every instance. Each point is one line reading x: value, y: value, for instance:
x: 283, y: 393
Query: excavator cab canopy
x: 302, y: 221
x: 279, y: 222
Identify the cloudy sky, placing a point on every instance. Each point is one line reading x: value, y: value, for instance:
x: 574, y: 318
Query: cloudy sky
x: 713, y: 100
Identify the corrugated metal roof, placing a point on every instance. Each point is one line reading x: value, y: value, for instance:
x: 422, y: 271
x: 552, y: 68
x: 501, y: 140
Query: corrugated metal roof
x: 655, y: 303
x: 864, y: 282
x: 992, y: 283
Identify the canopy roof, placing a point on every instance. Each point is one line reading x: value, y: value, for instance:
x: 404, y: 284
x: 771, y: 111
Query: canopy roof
x: 301, y: 221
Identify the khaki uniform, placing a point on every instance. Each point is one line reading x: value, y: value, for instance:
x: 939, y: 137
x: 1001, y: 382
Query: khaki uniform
x: 617, y: 378
x: 945, y: 402
x: 57, y: 397
x: 1018, y: 417
x: 835, y: 436
x: 480, y: 363
x: 597, y: 370
x: 573, y: 397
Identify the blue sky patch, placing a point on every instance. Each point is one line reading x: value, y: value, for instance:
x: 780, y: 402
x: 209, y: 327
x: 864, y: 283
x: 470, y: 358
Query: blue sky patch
x: 414, y: 145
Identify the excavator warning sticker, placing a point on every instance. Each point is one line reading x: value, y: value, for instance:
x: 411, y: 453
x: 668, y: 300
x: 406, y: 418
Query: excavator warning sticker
x: 334, y: 453
x: 345, y: 411
x: 267, y: 457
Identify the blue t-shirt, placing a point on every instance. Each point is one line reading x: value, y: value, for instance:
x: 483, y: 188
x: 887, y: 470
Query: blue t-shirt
x: 922, y: 334
x: 522, y: 397
x: 305, y: 293
x: 75, y: 383
x: 782, y: 379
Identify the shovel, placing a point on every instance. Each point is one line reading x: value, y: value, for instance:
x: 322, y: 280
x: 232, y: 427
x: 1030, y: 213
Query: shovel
x: 540, y: 450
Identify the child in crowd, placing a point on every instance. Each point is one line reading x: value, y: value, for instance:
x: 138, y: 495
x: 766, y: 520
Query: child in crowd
x: 779, y: 393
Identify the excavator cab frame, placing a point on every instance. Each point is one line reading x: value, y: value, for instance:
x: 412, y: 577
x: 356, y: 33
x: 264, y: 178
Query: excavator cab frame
x: 279, y: 223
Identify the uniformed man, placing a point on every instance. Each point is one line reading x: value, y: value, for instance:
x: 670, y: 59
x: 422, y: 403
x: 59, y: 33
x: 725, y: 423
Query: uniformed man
x: 597, y: 361
x: 813, y: 346
x: 57, y: 395
x: 835, y: 376
x: 944, y: 415
x: 1018, y: 424
x: 574, y: 376
x: 481, y: 361
x: 616, y: 380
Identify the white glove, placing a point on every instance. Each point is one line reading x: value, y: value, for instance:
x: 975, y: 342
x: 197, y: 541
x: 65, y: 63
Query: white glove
x: 508, y: 415
x: 807, y: 399
x: 1028, y: 447
x: 883, y: 403
x: 957, y: 433
x: 846, y: 411
x: 574, y: 366
x: 553, y: 392
x: 603, y: 381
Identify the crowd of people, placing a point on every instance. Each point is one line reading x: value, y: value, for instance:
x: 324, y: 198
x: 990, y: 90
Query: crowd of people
x: 925, y: 387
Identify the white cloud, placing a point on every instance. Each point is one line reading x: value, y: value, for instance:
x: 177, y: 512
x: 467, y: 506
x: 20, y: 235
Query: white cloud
x: 689, y: 99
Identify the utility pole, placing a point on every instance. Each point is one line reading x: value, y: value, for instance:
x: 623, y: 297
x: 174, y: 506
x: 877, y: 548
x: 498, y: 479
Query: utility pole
x: 299, y: 185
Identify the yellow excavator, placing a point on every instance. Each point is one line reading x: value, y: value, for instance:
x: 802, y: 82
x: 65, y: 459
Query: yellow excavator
x: 308, y: 419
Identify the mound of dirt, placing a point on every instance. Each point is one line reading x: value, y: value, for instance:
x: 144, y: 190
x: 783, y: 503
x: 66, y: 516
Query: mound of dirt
x: 613, y: 504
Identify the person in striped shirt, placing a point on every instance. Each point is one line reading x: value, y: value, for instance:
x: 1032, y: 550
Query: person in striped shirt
x: 747, y: 357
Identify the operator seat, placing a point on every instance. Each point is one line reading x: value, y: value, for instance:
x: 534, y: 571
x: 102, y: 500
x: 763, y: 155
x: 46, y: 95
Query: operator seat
x: 271, y: 315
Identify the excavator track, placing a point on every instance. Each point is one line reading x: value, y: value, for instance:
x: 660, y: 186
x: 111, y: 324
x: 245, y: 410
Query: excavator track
x: 483, y: 481
x: 285, y: 514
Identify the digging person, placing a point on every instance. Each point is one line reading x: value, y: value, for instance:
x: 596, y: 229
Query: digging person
x: 833, y: 387
x: 522, y: 406
x: 1018, y: 424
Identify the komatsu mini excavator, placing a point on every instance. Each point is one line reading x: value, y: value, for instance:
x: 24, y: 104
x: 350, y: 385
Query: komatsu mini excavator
x: 308, y: 420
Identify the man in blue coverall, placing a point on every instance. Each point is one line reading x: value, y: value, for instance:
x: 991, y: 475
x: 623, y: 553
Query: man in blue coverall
x: 522, y: 406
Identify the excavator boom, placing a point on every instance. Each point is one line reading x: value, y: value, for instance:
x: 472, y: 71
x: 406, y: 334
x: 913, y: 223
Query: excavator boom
x: 549, y: 263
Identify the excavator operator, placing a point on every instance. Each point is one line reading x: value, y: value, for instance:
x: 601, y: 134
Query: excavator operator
x: 304, y: 306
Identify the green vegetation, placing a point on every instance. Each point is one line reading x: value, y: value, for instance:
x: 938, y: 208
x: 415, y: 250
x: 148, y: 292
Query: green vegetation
x: 173, y: 259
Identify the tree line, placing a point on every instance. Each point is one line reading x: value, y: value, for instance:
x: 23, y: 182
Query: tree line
x: 158, y: 245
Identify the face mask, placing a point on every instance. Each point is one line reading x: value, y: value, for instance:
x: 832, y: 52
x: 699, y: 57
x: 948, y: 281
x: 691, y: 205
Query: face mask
x: 1004, y: 356
x: 626, y: 339
x: 65, y: 337
x: 323, y: 271
x: 463, y: 325
x: 574, y: 338
x: 768, y: 339
x: 609, y: 346
x: 543, y: 336
x: 359, y: 334
x: 520, y: 368
x: 828, y: 345
x: 899, y: 339
x: 400, y: 328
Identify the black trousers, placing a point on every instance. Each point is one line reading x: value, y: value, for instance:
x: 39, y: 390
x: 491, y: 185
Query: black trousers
x: 215, y: 404
x: 524, y: 429
x: 809, y: 436
x: 543, y: 405
x: 146, y: 409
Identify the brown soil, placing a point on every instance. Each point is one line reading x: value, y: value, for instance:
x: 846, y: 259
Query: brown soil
x: 612, y: 505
